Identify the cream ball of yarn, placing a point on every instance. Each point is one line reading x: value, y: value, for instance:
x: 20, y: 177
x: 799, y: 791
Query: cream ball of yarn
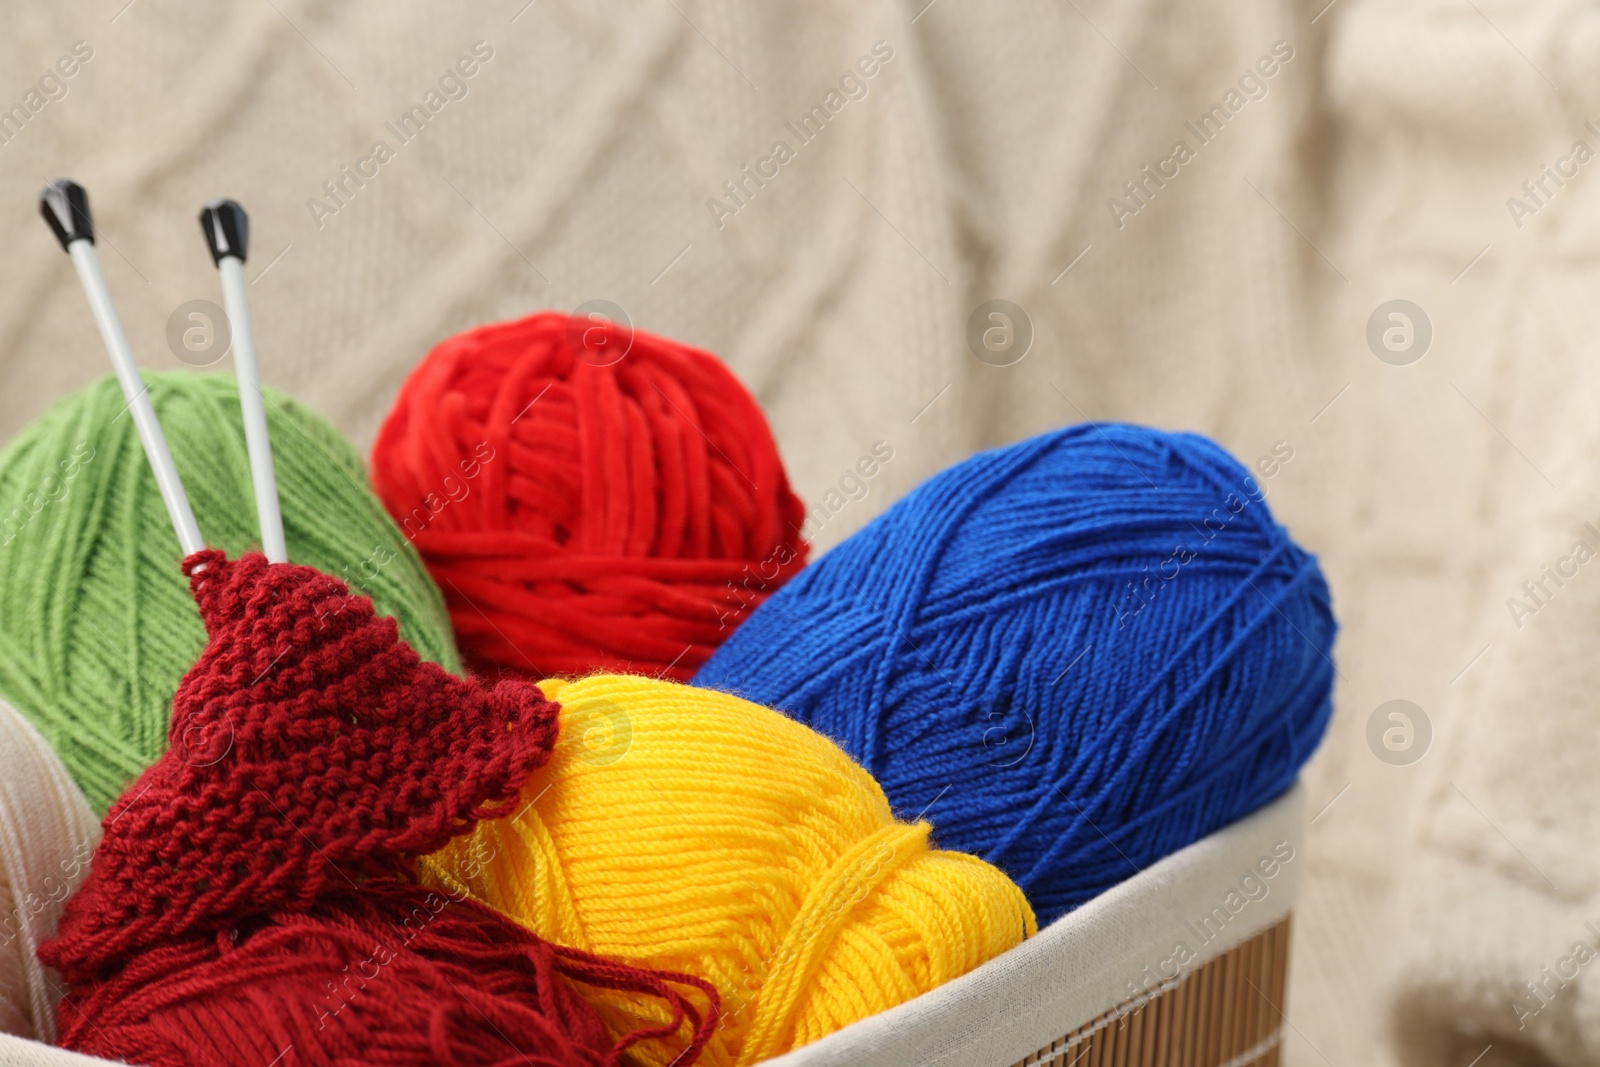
x: 47, y: 836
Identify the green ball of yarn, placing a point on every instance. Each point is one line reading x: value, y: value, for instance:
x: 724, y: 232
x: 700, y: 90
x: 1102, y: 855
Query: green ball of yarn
x: 97, y: 626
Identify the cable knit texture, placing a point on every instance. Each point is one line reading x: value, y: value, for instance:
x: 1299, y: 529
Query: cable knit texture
x: 587, y: 496
x: 266, y: 856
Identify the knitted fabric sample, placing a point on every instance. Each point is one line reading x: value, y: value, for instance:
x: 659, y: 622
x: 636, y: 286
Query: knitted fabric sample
x: 258, y: 876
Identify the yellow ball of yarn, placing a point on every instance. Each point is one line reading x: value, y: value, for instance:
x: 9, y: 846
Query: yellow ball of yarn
x: 688, y: 830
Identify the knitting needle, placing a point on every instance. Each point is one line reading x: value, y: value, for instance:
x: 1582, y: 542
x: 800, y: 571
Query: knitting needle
x: 65, y: 206
x: 227, y: 230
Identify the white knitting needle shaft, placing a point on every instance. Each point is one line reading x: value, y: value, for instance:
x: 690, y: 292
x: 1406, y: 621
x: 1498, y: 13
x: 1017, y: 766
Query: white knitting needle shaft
x: 255, y: 413
x: 137, y: 395
x: 226, y: 228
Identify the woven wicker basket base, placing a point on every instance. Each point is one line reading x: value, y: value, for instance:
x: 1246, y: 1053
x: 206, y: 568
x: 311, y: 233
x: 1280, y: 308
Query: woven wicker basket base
x: 1226, y: 1013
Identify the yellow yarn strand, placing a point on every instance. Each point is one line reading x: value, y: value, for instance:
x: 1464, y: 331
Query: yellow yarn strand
x: 688, y: 830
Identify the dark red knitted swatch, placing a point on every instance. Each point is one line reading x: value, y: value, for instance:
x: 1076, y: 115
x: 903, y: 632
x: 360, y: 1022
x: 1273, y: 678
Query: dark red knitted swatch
x: 253, y: 892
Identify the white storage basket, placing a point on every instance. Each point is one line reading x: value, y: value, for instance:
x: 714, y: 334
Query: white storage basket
x: 1106, y: 984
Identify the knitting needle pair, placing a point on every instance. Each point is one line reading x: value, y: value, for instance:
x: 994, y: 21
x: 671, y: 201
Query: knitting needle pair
x: 65, y: 206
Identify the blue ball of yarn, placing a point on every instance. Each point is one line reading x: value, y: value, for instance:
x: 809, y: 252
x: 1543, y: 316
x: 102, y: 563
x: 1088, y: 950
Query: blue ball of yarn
x: 1076, y: 654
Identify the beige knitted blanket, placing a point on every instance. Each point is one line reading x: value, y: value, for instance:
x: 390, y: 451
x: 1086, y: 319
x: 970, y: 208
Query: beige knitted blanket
x: 1197, y: 207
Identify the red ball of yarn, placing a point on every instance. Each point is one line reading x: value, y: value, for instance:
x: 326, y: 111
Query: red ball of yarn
x: 254, y: 890
x: 588, y: 497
